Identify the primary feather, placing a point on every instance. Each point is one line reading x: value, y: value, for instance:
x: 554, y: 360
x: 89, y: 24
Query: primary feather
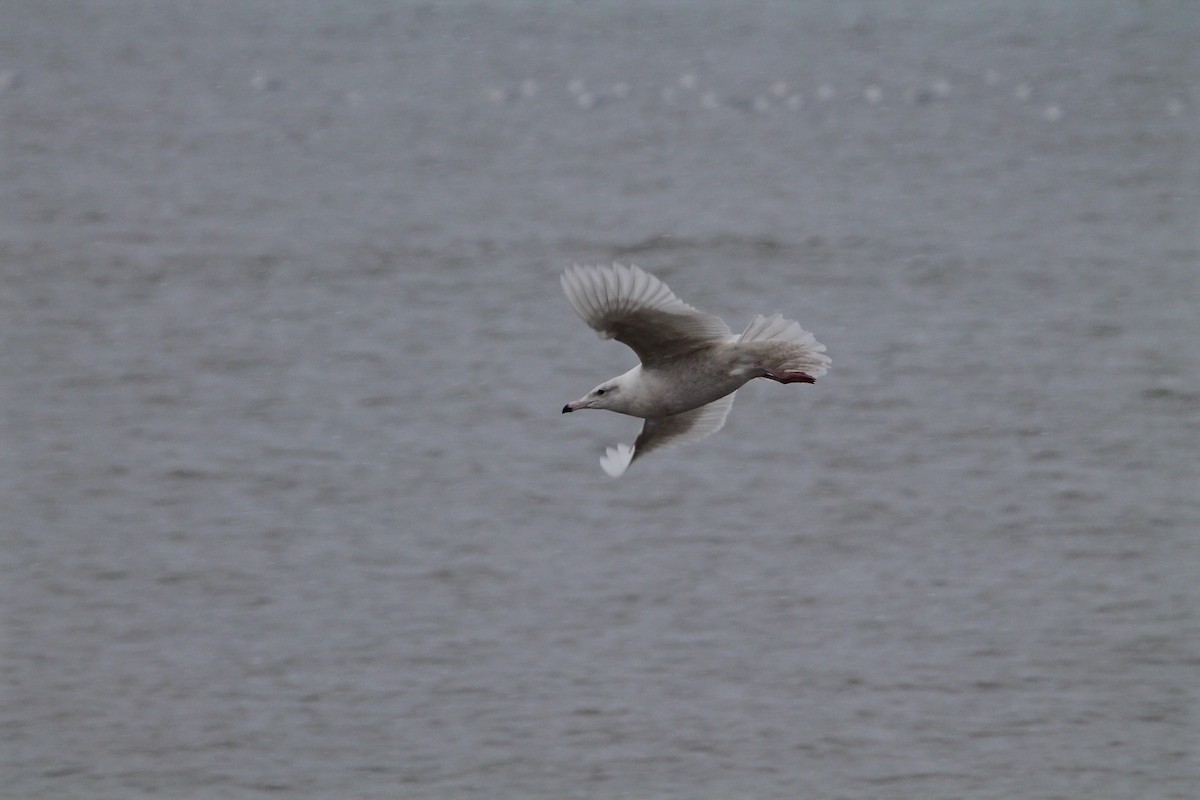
x: 637, y: 309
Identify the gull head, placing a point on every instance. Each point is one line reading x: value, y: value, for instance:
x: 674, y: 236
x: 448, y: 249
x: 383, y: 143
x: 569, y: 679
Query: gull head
x: 606, y: 395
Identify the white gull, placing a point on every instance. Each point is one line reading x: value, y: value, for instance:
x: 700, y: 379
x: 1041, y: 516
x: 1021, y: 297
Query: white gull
x: 691, y: 363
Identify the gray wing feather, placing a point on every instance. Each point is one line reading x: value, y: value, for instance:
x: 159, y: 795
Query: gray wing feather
x: 690, y: 426
x: 637, y: 309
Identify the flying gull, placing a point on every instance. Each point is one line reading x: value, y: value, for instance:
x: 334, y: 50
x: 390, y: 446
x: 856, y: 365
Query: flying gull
x: 691, y: 363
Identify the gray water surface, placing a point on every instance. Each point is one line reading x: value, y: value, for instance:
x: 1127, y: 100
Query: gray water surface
x: 288, y: 506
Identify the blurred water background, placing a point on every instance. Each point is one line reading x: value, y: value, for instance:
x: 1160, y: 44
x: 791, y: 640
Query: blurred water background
x: 289, y: 509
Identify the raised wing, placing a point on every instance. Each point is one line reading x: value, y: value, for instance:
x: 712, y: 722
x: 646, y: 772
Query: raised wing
x: 690, y: 426
x: 637, y: 309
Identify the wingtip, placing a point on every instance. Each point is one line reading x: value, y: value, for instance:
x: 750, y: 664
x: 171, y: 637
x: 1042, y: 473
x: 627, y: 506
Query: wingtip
x: 616, y: 460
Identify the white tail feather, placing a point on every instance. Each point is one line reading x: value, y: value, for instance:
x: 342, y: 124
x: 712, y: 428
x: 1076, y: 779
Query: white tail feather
x: 775, y: 326
x: 802, y: 353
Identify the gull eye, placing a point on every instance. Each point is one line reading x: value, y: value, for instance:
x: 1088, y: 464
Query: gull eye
x: 599, y: 391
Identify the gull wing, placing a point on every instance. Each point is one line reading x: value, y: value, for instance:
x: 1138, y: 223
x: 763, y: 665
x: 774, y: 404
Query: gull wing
x: 690, y: 426
x: 638, y: 310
